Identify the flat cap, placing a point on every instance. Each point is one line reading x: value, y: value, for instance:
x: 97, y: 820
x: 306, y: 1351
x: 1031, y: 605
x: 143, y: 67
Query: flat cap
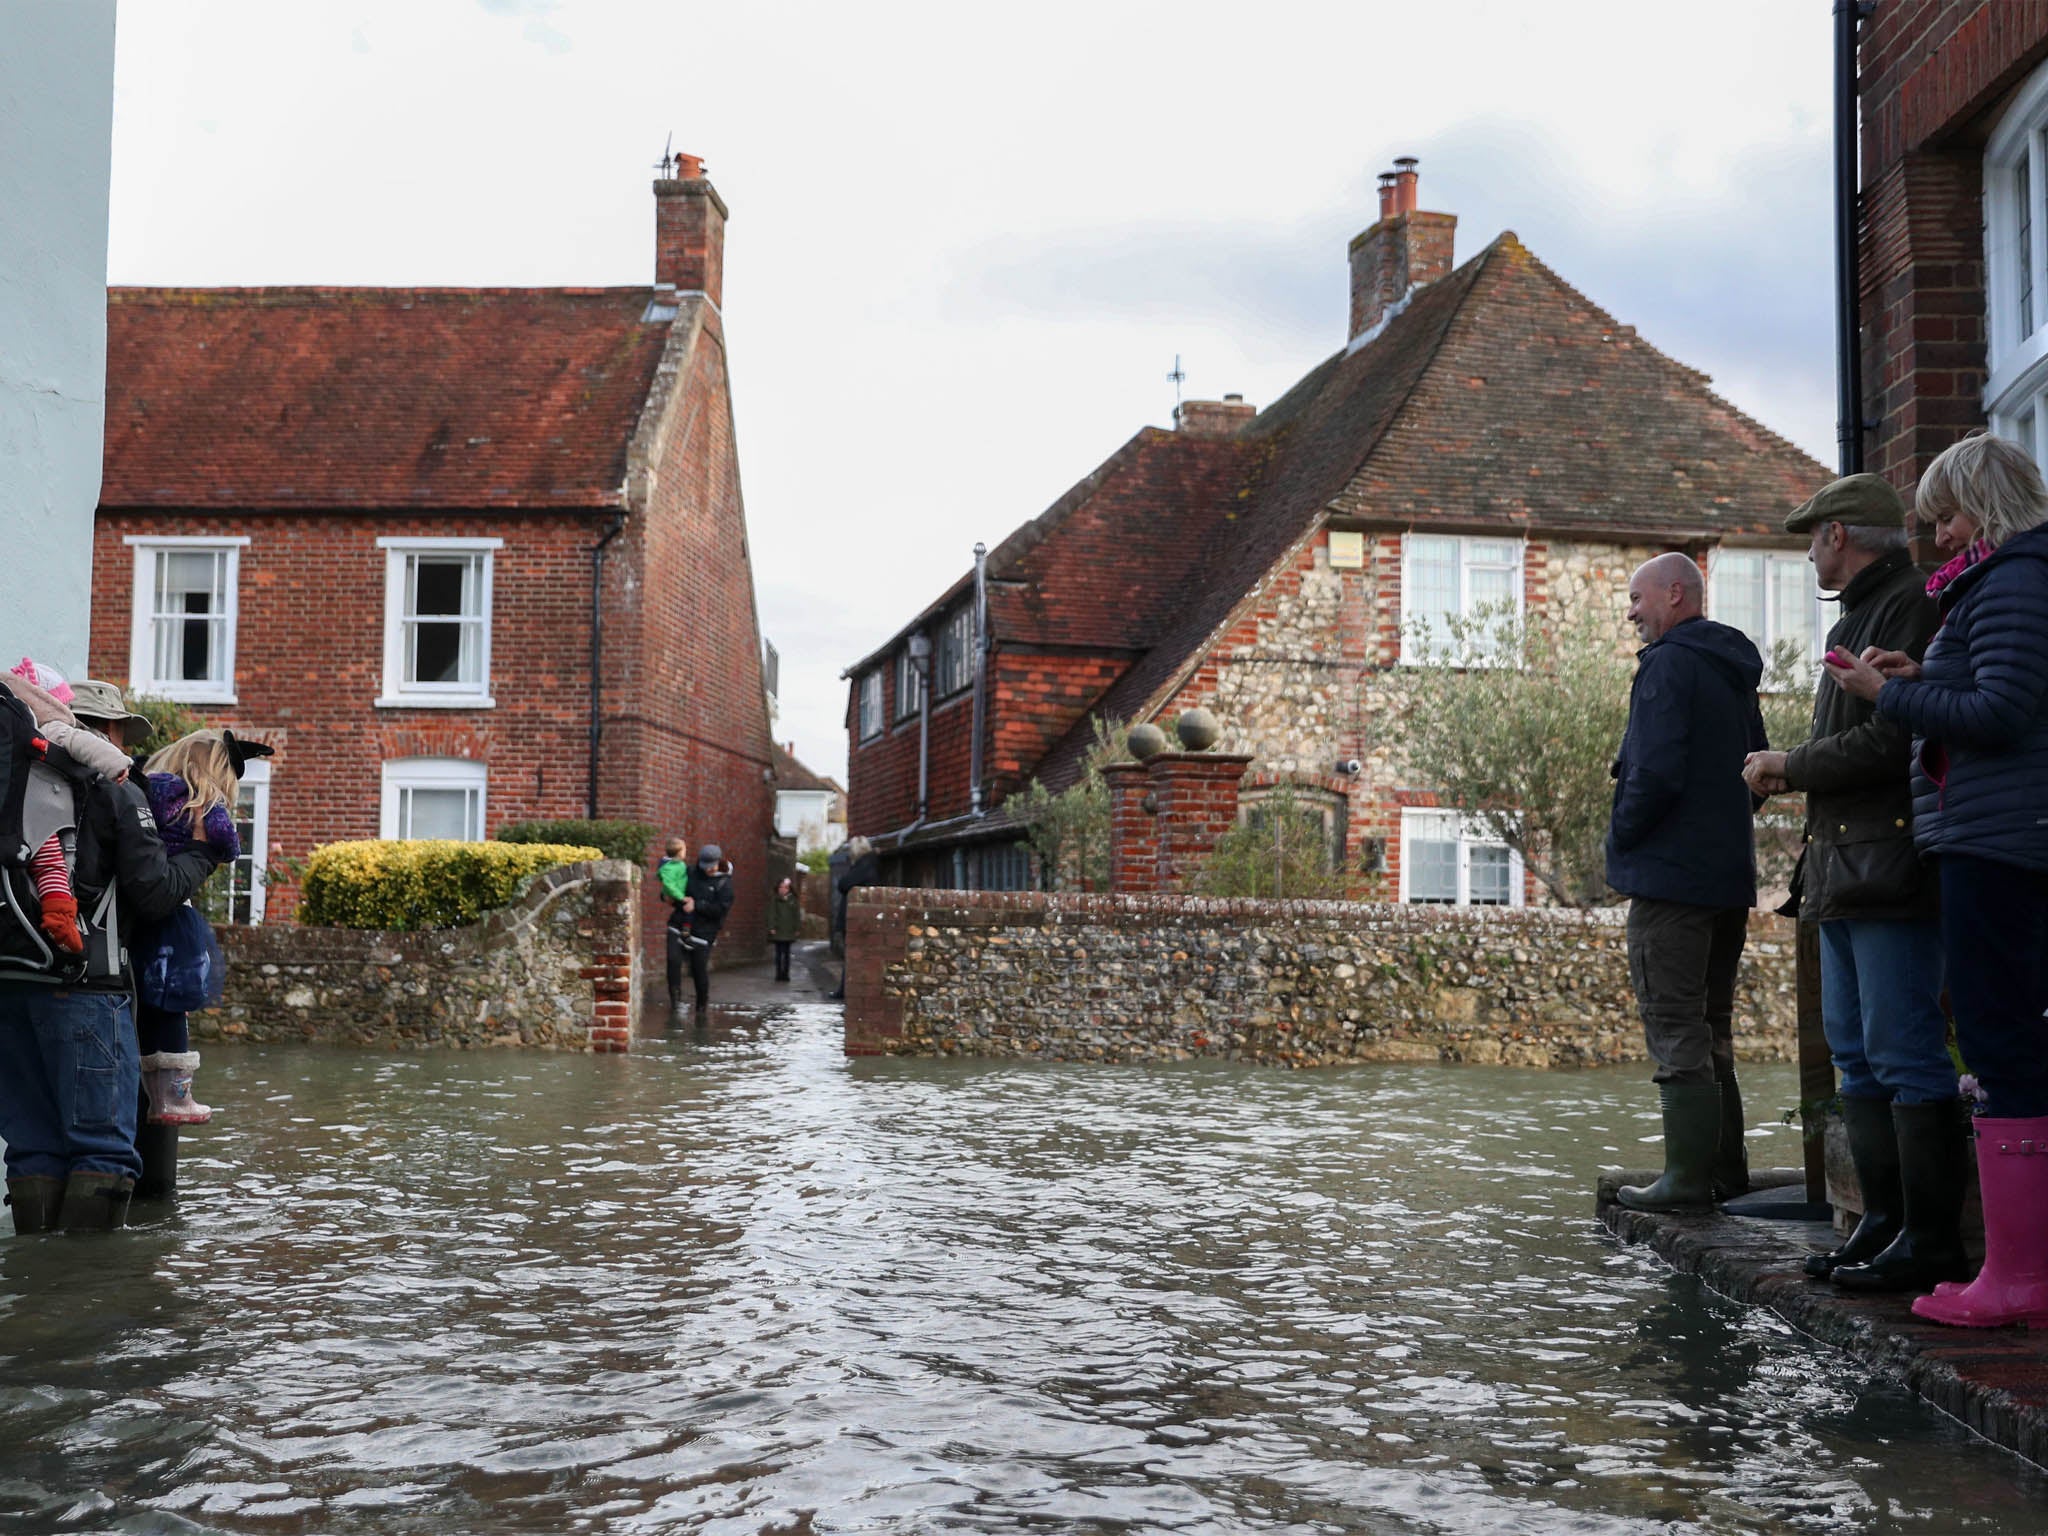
x: 1856, y: 501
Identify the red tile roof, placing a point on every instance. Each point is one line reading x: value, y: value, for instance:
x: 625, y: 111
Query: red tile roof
x: 1499, y: 397
x: 374, y: 397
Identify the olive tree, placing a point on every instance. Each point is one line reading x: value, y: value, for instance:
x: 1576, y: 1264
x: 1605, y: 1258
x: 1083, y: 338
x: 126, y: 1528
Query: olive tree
x: 1069, y: 831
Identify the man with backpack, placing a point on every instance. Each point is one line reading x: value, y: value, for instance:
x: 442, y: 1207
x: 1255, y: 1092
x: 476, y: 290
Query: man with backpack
x: 70, y: 1073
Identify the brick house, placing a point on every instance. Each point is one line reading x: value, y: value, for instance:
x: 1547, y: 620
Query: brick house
x: 1953, y: 98
x: 1486, y: 435
x: 465, y: 555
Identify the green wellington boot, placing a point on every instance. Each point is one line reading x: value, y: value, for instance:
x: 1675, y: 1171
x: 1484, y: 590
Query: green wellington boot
x: 95, y: 1201
x: 1731, y: 1155
x: 35, y: 1201
x: 1875, y: 1152
x: 1692, y: 1137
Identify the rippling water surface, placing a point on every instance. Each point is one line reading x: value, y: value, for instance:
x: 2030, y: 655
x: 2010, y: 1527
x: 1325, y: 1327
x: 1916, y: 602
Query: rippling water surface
x: 735, y: 1283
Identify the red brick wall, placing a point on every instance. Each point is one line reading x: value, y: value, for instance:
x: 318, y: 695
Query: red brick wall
x: 1931, y: 73
x: 687, y: 743
x: 309, y: 659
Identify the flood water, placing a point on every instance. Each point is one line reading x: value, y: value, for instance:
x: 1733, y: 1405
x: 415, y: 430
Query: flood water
x: 735, y: 1283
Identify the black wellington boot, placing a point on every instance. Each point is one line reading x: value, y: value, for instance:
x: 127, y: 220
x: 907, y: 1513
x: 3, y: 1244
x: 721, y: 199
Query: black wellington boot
x: 1692, y: 1136
x: 1874, y: 1149
x: 1731, y: 1157
x: 1934, y: 1157
x: 35, y: 1202
x: 95, y: 1201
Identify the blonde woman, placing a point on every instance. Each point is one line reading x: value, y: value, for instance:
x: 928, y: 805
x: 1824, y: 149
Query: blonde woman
x: 1978, y: 708
x: 192, y: 785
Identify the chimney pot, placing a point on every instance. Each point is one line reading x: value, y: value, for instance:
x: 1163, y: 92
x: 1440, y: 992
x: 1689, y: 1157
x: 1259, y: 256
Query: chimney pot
x: 689, y: 167
x: 1405, y: 179
x: 1386, y: 194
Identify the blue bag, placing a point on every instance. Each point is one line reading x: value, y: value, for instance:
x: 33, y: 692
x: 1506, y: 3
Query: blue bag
x: 182, y: 966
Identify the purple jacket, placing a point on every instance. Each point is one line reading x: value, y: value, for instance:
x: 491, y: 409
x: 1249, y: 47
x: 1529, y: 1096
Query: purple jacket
x: 167, y: 804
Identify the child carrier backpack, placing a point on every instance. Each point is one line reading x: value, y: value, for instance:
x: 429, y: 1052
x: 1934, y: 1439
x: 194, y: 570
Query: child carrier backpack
x: 36, y: 800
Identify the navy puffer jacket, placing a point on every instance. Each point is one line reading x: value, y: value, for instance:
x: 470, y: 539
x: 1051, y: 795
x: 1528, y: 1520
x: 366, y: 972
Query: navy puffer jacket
x: 1981, y: 703
x: 1681, y: 828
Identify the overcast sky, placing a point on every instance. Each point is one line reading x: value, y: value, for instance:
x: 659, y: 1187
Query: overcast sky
x: 968, y: 241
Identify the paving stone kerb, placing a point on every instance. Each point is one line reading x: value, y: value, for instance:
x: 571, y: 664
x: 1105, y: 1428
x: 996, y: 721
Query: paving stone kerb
x: 556, y: 969
x: 1995, y: 1380
x: 1285, y: 983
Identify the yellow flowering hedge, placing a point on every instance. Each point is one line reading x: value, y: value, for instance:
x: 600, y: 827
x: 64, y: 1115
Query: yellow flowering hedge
x: 427, y: 884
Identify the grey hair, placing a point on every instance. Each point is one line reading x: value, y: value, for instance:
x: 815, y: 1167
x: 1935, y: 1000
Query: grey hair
x: 1992, y: 481
x: 859, y: 848
x: 1874, y: 541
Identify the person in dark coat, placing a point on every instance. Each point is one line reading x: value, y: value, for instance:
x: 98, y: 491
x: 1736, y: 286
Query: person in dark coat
x: 785, y: 923
x: 707, y: 899
x: 1681, y: 846
x: 1978, y: 709
x: 863, y: 868
x: 70, y: 1070
x: 1862, y: 882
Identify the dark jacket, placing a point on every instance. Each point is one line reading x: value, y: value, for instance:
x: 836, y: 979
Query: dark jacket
x: 785, y: 917
x: 1681, y: 828
x: 1856, y: 768
x: 118, y: 845
x: 1980, y: 711
x: 712, y: 894
x: 865, y: 870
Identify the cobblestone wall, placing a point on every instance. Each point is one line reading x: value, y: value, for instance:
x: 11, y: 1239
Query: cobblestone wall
x: 1286, y: 983
x: 556, y: 969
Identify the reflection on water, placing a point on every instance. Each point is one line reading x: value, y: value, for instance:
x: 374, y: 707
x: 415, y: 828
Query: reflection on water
x: 738, y: 1284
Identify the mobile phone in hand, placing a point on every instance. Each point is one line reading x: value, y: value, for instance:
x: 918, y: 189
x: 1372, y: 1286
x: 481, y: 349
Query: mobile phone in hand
x: 1836, y: 656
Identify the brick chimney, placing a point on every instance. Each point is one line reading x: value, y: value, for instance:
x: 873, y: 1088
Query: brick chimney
x: 689, y: 231
x: 1404, y: 251
x: 1214, y: 418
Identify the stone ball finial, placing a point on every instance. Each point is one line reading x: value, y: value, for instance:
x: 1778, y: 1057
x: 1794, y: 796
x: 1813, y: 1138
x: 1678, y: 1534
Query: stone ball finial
x: 1197, y: 729
x: 1145, y: 741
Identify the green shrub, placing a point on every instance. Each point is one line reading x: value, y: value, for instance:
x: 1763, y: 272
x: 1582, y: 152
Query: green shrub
x: 817, y: 860
x: 168, y: 721
x: 404, y: 885
x: 627, y: 840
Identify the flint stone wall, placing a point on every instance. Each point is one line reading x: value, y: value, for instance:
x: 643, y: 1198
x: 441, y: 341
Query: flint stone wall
x: 556, y: 969
x: 1282, y: 983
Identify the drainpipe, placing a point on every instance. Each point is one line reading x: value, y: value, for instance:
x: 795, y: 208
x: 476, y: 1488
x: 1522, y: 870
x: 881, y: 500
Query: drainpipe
x: 980, y: 675
x: 920, y: 647
x: 1849, y: 14
x: 597, y: 657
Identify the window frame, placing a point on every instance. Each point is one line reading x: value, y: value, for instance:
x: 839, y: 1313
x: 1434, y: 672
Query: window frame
x: 908, y: 682
x: 1766, y: 644
x: 2015, y: 178
x: 256, y: 855
x: 955, y: 637
x: 402, y: 774
x: 1470, y: 835
x: 870, y: 684
x: 396, y: 692
x: 143, y: 617
x: 1411, y: 653
x: 1331, y: 808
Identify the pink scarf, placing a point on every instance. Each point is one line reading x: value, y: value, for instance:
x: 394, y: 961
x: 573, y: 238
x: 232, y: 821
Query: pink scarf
x: 1976, y: 551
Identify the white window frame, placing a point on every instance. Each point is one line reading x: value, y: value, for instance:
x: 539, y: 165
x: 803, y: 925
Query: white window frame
x: 1766, y: 643
x: 149, y: 552
x: 955, y: 640
x: 256, y: 780
x: 2016, y: 158
x: 1470, y: 834
x: 397, y: 692
x: 908, y: 682
x: 868, y: 710
x: 1412, y: 653
x: 409, y: 773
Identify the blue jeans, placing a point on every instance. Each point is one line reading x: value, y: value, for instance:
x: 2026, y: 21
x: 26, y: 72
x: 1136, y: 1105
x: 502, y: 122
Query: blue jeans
x: 1880, y: 1003
x: 69, y: 1077
x: 1994, y: 935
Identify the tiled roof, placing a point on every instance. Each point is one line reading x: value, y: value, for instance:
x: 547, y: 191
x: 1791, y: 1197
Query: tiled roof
x: 792, y: 774
x: 375, y: 397
x: 1500, y: 397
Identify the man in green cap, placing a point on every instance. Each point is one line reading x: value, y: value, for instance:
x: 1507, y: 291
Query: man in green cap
x: 1861, y: 881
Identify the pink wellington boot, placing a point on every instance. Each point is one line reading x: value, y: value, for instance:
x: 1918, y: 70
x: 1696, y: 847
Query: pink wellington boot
x: 2012, y: 1171
x: 168, y: 1077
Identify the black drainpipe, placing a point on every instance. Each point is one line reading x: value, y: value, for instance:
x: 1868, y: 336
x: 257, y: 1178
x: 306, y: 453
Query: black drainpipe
x: 597, y: 657
x: 1849, y: 14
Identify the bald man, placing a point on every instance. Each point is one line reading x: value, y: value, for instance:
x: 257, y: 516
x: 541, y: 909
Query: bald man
x: 1682, y: 848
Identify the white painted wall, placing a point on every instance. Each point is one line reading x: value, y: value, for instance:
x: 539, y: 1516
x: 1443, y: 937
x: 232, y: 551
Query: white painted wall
x: 56, y: 152
x: 805, y: 814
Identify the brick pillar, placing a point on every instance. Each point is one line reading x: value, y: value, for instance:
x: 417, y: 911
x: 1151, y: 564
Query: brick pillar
x: 878, y: 924
x: 614, y: 969
x: 1133, y: 831
x: 1197, y: 797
